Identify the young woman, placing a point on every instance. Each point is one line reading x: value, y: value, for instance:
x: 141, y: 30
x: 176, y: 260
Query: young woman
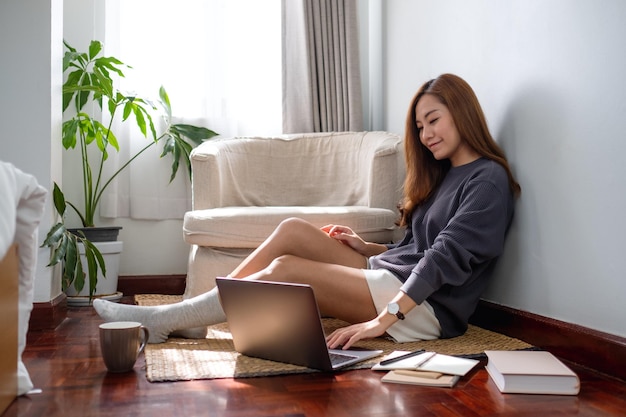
x: 458, y: 203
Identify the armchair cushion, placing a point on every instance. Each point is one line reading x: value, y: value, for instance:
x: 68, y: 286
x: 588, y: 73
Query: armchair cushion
x: 248, y: 227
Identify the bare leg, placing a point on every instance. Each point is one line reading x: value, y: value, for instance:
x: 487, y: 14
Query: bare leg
x: 295, y: 252
x: 300, y: 252
x: 341, y: 291
x: 301, y: 239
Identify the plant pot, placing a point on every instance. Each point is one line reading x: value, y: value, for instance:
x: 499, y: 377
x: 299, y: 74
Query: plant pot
x: 98, y: 234
x: 106, y: 287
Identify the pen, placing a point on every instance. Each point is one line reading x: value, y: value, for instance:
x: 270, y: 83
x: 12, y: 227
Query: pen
x: 401, y: 357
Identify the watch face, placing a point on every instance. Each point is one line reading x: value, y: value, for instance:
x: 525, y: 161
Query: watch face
x: 393, y: 308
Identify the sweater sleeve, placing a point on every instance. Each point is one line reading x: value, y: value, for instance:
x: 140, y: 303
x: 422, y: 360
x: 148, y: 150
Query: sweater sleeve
x: 471, y: 238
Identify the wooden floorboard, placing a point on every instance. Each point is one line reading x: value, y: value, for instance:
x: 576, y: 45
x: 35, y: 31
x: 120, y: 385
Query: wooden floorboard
x: 65, y: 364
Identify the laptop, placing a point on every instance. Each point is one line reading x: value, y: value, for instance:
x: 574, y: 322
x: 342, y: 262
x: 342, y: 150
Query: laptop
x: 281, y: 322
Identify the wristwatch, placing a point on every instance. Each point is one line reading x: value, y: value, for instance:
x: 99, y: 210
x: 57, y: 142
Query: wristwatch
x: 394, y: 308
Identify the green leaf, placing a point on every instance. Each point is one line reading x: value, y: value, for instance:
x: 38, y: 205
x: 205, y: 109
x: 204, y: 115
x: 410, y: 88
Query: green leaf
x: 113, y: 104
x: 59, y: 200
x: 87, y: 129
x: 185, y: 153
x: 141, y: 120
x: 112, y: 139
x: 68, y: 138
x: 72, y: 262
x: 76, y: 276
x: 110, y: 64
x: 104, y: 82
x: 165, y: 101
x: 83, y: 92
x: 71, y: 253
x: 102, y: 144
x: 128, y: 109
x: 69, y: 59
x: 58, y: 254
x: 104, y: 137
x: 94, y: 49
x: 94, y: 260
x: 168, y: 144
x: 152, y: 128
x: 73, y: 80
x: 195, y: 133
x: 54, y: 236
x: 67, y: 45
x: 98, y: 256
x: 175, y: 145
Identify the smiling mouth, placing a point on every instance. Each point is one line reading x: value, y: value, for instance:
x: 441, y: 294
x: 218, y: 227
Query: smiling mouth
x: 433, y: 145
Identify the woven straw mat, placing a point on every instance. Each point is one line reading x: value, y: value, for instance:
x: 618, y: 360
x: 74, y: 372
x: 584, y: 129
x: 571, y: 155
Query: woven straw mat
x: 214, y: 357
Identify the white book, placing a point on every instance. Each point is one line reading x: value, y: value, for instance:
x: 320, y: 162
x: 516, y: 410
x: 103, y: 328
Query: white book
x: 531, y: 372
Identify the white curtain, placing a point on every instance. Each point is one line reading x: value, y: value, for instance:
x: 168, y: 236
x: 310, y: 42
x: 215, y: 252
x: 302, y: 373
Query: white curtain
x: 321, y: 77
x: 220, y: 62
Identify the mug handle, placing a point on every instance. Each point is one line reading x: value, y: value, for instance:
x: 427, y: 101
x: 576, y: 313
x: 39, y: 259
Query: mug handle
x: 144, y: 339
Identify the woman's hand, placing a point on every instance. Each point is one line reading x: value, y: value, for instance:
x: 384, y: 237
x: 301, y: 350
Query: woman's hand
x: 346, y: 236
x: 348, y: 336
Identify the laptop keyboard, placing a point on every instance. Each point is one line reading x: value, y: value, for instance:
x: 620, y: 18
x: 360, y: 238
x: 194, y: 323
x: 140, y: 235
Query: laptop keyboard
x: 339, y: 358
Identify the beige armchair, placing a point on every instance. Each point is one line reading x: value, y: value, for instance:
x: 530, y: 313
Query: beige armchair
x: 244, y: 187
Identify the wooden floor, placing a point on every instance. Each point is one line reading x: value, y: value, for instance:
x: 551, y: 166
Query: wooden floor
x: 66, y: 365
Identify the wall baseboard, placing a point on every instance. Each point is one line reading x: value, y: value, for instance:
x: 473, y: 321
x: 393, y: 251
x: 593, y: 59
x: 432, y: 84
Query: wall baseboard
x: 152, y: 284
x: 590, y: 348
x: 48, y: 315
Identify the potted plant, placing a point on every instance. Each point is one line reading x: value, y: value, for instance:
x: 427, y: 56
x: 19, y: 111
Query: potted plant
x: 91, y: 80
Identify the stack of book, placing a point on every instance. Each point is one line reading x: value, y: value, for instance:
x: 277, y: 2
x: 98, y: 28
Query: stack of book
x: 424, y: 368
x: 520, y: 372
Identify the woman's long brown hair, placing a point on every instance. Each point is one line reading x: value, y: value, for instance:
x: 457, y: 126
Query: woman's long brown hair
x: 423, y: 172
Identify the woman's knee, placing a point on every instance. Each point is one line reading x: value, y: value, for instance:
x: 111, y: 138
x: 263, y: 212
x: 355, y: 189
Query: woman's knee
x: 294, y: 227
x: 291, y: 223
x: 282, y: 267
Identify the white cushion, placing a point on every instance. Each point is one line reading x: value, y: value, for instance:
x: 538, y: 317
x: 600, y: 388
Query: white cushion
x: 247, y: 227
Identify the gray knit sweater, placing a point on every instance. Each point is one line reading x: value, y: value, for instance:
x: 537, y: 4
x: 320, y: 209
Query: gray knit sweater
x: 448, y: 253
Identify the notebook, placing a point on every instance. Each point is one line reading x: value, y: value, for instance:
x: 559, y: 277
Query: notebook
x: 429, y: 362
x: 415, y: 378
x: 281, y: 322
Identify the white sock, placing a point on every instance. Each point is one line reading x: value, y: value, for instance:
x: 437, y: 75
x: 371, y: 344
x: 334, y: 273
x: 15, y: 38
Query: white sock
x: 200, y: 311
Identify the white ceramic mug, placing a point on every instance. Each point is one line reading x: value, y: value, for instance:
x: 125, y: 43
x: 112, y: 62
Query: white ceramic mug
x: 121, y: 342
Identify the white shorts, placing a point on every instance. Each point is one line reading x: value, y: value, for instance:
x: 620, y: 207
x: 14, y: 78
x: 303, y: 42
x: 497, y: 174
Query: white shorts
x: 419, y: 324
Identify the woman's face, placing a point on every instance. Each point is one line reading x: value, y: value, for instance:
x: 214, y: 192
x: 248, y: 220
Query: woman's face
x: 439, y: 134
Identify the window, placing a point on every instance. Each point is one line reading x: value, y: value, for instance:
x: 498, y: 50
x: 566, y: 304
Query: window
x: 220, y: 62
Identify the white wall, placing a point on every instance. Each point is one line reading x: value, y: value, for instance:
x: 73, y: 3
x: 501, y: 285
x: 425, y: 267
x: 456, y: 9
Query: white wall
x: 30, y: 112
x: 550, y: 77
